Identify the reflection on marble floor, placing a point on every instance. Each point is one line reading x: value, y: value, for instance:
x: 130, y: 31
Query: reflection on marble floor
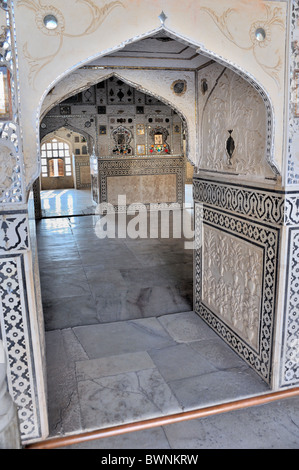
x: 67, y: 202
x: 123, y: 343
x: 64, y: 202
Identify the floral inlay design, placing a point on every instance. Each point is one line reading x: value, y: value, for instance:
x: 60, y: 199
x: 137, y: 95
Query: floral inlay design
x: 232, y: 281
x: 272, y: 18
x: 99, y: 14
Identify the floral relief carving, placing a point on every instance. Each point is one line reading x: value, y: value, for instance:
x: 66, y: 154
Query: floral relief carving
x: 238, y: 112
x: 8, y: 162
x: 10, y: 152
x: 231, y: 282
x: 98, y: 15
x: 273, y: 18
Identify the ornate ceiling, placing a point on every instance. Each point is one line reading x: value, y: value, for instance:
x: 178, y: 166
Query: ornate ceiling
x: 155, y: 51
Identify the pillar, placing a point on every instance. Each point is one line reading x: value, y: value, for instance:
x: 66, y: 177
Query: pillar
x: 9, y: 426
x: 21, y: 325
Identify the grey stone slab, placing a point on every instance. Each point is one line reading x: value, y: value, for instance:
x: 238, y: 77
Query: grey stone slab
x: 73, y: 348
x: 88, y: 220
x: 59, y: 251
x: 142, y: 243
x: 146, y: 439
x: 159, y: 275
x: 143, y: 302
x: 103, y: 247
x: 218, y: 353
x: 218, y: 387
x: 48, y: 264
x: 122, y: 337
x: 55, y: 242
x: 97, y: 276
x: 112, y: 365
x: 180, y: 361
x: 110, y: 303
x: 67, y: 282
x: 270, y: 426
x: 115, y: 258
x: 58, y: 226
x: 67, y: 312
x: 160, y: 257
x: 63, y: 402
x: 133, y: 302
x: 125, y: 398
x: 187, y: 327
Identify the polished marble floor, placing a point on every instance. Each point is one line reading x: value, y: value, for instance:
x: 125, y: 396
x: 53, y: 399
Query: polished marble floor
x: 123, y: 343
x: 67, y: 202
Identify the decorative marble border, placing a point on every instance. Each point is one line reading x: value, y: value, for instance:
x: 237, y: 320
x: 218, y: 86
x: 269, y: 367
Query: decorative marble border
x: 141, y: 166
x: 257, y: 204
x: 267, y: 238
x: 13, y: 232
x: 291, y: 209
x: 269, y: 206
x: 78, y: 166
x: 16, y: 336
x: 290, y: 340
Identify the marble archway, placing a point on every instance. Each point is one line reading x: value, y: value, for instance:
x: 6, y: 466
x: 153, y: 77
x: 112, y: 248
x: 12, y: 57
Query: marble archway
x: 250, y: 345
x: 250, y: 213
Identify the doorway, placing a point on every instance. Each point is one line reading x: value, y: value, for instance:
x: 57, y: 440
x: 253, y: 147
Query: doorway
x: 123, y: 341
x: 65, y: 188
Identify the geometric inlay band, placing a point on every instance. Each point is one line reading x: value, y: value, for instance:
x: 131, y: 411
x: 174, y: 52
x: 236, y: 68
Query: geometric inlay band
x: 15, y: 335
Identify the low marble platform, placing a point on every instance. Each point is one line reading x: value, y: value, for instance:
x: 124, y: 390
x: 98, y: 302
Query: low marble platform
x: 115, y: 373
x: 271, y: 426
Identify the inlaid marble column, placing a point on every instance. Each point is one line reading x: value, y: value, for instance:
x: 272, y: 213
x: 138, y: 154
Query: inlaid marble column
x: 20, y: 316
x: 9, y: 426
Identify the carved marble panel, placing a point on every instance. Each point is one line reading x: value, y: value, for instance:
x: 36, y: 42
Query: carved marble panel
x: 111, y: 167
x: 143, y: 188
x: 11, y: 158
x: 232, y: 282
x: 250, y: 335
x: 293, y: 128
x: 234, y: 112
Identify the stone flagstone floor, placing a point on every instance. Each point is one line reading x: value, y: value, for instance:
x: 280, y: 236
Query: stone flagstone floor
x: 123, y: 343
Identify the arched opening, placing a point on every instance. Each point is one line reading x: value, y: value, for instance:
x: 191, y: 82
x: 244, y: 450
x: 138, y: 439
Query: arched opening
x: 64, y: 184
x: 162, y: 362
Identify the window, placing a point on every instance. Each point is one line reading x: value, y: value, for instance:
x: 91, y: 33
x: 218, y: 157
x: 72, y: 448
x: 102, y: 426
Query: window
x: 56, y: 159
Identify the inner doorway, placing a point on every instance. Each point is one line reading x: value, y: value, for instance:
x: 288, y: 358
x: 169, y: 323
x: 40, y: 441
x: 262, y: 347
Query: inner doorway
x: 105, y: 370
x: 65, y: 174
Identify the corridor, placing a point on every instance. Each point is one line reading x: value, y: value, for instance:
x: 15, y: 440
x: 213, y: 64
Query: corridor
x: 122, y: 341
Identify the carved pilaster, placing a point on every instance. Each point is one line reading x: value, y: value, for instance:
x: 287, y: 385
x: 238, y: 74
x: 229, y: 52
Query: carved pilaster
x: 9, y: 428
x: 237, y: 288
